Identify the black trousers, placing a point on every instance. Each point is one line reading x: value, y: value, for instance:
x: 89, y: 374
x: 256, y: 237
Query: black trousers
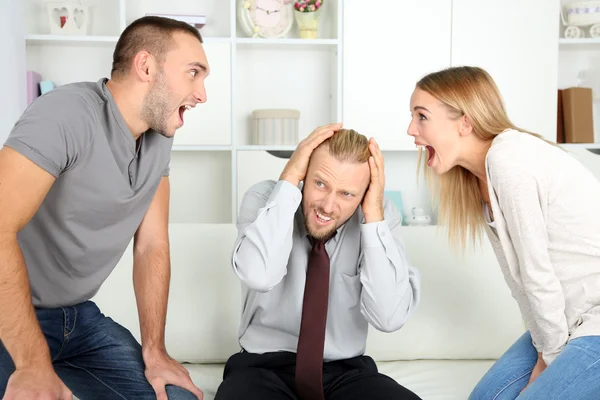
x: 270, y: 376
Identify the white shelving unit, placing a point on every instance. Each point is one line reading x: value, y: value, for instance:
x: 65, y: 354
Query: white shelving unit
x: 577, y: 56
x: 213, y: 160
x: 355, y: 72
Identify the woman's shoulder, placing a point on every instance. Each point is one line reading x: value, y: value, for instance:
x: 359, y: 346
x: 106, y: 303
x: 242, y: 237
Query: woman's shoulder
x: 516, y: 147
x: 512, y: 138
x: 516, y: 154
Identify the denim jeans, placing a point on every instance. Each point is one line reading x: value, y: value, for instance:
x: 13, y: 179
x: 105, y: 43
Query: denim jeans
x: 94, y: 356
x: 573, y: 375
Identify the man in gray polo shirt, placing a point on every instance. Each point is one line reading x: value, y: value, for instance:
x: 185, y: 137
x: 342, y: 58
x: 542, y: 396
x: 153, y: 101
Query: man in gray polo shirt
x: 85, y: 170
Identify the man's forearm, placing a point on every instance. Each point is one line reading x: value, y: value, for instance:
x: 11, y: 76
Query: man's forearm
x: 390, y: 284
x: 151, y: 277
x: 19, y: 328
x: 260, y: 256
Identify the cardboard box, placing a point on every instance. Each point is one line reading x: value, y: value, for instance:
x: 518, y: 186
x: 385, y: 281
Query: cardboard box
x: 560, y: 119
x: 578, y: 115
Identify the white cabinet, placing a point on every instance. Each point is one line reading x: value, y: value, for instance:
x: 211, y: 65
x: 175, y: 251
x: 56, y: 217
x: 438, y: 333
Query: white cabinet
x: 388, y: 46
x: 516, y: 42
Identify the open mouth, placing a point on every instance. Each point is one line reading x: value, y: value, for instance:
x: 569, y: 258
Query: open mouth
x: 430, y: 155
x: 183, y: 109
x: 321, y: 218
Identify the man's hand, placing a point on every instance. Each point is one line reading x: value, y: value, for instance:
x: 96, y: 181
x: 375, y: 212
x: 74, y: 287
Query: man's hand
x: 372, y: 204
x: 36, y: 383
x: 540, y: 366
x: 295, y: 169
x: 162, y: 370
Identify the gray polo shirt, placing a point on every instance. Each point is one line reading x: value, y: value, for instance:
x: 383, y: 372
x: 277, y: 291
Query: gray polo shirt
x: 104, y: 186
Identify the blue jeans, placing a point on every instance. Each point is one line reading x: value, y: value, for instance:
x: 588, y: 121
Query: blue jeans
x: 94, y: 356
x: 573, y: 375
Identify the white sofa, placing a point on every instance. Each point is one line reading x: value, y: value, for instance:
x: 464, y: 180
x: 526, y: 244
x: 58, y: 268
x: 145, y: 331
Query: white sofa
x: 466, y: 319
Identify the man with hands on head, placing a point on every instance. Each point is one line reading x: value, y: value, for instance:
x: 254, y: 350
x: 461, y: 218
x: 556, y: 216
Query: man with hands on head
x: 318, y: 262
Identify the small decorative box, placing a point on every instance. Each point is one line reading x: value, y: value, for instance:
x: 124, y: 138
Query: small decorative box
x: 68, y: 18
x: 275, y: 127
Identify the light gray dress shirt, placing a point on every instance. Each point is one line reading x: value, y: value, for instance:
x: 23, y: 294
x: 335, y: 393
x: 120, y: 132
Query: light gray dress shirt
x: 371, y: 279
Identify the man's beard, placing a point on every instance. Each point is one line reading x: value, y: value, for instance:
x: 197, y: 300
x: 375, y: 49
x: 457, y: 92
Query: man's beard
x: 155, y: 108
x: 319, y: 234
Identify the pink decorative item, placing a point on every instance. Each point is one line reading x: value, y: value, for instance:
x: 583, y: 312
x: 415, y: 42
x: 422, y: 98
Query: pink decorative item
x: 33, y: 86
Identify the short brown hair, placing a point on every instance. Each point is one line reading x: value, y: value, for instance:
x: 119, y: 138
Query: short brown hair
x: 151, y: 33
x: 347, y: 145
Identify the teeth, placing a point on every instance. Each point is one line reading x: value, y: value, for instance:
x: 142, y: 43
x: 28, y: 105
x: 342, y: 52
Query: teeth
x: 323, y: 217
x: 188, y: 107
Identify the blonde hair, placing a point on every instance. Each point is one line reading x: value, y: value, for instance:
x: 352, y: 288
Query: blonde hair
x: 347, y: 145
x: 471, y: 92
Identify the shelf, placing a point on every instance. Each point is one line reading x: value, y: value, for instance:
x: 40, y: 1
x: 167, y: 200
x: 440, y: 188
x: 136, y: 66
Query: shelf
x: 292, y: 148
x: 70, y: 39
x: 215, y: 39
x: 288, y: 43
x: 98, y: 39
x: 580, y: 145
x: 568, y: 41
x: 283, y: 152
x: 266, y: 148
x: 388, y: 150
x: 191, y: 147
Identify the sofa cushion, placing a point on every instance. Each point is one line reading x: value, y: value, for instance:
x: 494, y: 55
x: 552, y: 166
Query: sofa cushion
x: 466, y: 310
x: 431, y: 380
x: 204, y: 300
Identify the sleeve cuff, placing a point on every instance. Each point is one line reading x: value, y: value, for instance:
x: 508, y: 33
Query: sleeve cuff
x: 34, y: 156
x: 376, y: 234
x: 284, y: 193
x: 549, y: 357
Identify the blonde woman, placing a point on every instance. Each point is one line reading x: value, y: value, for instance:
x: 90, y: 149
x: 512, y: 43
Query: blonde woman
x: 540, y: 209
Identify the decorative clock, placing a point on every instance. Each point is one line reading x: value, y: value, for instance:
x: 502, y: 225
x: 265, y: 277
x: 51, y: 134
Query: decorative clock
x: 265, y: 18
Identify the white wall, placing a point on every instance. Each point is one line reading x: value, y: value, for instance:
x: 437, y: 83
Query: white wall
x: 12, y: 67
x: 516, y: 42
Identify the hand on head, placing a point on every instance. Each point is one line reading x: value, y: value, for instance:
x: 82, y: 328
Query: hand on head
x: 295, y: 170
x: 372, y: 204
x: 338, y: 180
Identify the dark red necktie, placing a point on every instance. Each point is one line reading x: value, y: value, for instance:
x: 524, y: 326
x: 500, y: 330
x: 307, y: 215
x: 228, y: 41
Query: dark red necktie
x: 311, y: 342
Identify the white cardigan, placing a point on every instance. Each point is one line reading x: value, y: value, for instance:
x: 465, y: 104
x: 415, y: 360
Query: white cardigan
x: 546, y: 206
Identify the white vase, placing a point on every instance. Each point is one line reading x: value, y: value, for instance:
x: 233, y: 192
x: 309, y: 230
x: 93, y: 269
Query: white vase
x: 308, y: 23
